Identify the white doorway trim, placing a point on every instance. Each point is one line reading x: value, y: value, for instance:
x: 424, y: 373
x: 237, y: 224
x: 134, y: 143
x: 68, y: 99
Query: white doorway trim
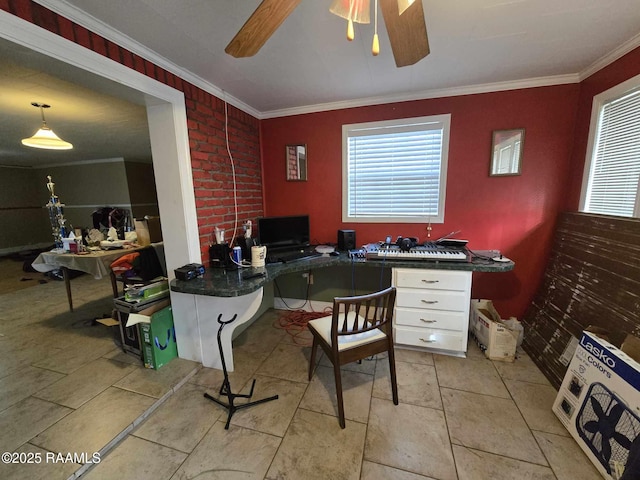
x: 167, y: 118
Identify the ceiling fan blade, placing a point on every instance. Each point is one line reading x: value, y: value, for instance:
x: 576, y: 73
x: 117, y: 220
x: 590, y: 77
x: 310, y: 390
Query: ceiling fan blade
x: 262, y: 23
x: 407, y: 32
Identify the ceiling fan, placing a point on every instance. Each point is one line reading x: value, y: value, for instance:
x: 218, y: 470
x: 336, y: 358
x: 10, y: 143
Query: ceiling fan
x: 406, y: 28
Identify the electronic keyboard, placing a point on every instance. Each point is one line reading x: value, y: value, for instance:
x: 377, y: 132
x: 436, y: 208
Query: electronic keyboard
x: 418, y: 253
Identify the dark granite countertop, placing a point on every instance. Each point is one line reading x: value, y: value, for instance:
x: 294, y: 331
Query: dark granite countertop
x: 218, y: 282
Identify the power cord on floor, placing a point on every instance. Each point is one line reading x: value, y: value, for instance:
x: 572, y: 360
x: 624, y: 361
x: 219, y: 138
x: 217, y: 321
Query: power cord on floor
x: 294, y: 321
x: 295, y: 324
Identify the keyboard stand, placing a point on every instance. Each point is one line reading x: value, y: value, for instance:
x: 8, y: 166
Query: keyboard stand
x: 225, y: 389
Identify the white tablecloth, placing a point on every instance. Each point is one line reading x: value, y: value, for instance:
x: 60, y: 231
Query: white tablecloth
x: 93, y: 263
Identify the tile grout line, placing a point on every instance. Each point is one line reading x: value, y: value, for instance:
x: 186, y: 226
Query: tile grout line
x: 444, y: 415
x: 502, y: 379
x: 132, y: 426
x: 366, y: 428
x: 290, y: 421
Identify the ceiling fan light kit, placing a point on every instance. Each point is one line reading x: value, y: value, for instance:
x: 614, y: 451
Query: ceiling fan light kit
x: 358, y: 11
x: 45, y: 138
x: 403, y: 5
x: 404, y: 20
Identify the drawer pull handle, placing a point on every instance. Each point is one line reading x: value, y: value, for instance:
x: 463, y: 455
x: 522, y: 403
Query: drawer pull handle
x: 427, y: 341
x: 428, y: 321
x: 431, y: 281
x: 430, y: 302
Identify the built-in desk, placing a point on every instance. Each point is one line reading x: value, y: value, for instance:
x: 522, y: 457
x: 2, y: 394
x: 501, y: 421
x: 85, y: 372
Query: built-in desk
x: 227, y: 293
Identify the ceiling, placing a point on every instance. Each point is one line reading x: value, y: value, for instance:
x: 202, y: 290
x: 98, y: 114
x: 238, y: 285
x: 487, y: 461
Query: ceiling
x: 307, y: 65
x: 102, y: 119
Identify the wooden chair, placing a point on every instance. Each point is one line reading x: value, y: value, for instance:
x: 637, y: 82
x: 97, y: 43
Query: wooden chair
x: 359, y: 327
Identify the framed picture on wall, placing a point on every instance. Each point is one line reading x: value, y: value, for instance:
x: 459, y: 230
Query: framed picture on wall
x: 506, y: 152
x: 296, y: 162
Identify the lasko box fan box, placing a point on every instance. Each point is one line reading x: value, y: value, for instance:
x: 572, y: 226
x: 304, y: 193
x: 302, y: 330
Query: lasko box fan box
x: 599, y: 404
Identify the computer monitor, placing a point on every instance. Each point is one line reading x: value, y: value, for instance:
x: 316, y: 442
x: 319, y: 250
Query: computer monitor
x: 280, y: 233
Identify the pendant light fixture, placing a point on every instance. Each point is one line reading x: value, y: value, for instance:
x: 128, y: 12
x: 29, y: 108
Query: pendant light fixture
x: 44, y: 137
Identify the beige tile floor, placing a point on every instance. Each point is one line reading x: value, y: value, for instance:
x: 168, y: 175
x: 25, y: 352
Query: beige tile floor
x: 65, y: 387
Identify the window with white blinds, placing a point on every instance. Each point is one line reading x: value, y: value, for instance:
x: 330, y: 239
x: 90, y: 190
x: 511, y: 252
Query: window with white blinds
x: 395, y: 171
x: 613, y: 159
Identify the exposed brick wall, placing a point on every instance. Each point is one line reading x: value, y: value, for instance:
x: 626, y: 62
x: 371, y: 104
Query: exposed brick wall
x: 212, y: 168
x: 212, y: 171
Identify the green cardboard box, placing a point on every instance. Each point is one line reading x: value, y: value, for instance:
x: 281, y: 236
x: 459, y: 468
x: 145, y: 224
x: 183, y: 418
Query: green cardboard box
x: 157, y: 337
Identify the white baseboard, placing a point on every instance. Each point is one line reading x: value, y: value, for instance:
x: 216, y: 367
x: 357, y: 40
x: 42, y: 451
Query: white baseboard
x: 298, y: 304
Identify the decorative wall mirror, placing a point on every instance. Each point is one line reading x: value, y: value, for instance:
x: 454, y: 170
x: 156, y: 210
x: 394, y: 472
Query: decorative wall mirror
x: 296, y: 162
x: 506, y: 152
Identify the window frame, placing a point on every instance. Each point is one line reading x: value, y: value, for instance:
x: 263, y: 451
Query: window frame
x: 444, y: 119
x: 599, y: 102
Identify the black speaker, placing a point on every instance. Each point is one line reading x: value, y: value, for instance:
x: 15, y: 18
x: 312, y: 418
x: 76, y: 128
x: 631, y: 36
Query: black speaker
x: 346, y: 240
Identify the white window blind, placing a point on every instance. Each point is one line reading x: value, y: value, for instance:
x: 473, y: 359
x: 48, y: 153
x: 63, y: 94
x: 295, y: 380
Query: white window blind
x: 615, y: 164
x: 395, y: 171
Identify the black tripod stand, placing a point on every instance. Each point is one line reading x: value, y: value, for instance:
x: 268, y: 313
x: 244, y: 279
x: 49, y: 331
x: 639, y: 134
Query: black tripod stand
x: 225, y: 389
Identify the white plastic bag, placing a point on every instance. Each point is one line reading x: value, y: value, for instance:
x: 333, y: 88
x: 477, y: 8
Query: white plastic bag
x: 514, y: 324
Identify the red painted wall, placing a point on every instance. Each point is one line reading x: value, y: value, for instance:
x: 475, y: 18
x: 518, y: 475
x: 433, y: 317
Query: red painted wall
x: 210, y: 162
x: 514, y: 214
x: 617, y: 72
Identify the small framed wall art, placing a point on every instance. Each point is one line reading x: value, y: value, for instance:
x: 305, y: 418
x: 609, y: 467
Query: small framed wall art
x: 296, y: 162
x: 506, y: 152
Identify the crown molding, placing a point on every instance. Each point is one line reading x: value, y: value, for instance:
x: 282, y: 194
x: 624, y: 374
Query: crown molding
x: 426, y: 94
x: 61, y: 7
x: 609, y: 58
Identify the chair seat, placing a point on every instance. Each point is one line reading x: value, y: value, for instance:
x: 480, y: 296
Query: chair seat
x: 345, y: 342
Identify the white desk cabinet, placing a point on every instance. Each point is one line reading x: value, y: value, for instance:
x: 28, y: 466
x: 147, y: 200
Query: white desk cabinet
x: 432, y: 309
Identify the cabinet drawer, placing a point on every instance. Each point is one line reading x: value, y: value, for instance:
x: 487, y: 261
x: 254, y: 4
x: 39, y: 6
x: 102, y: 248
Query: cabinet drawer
x: 432, y: 299
x: 431, y: 338
x: 432, y: 279
x: 443, y: 320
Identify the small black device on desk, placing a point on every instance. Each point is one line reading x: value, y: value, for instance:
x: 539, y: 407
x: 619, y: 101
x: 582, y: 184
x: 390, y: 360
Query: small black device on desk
x: 189, y: 271
x: 219, y: 255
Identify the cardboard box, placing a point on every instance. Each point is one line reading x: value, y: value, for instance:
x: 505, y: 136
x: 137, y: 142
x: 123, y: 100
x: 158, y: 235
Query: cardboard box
x: 158, y: 336
x: 130, y: 336
x: 142, y: 232
x: 494, y: 337
x: 148, y: 230
x: 599, y: 404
